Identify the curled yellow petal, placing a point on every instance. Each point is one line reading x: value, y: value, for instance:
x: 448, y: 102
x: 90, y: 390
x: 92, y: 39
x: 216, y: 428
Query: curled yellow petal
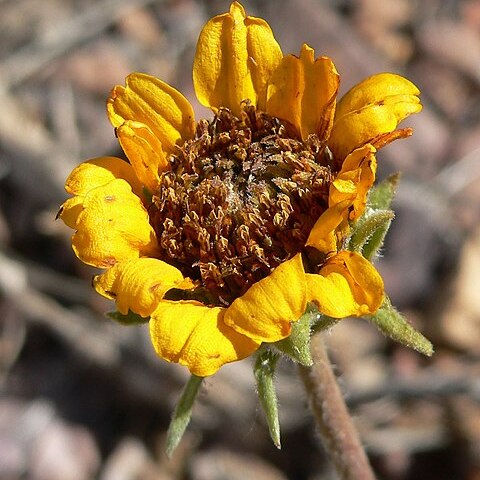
x: 303, y: 91
x: 70, y: 210
x: 196, y: 336
x: 89, y: 175
x: 265, y: 312
x: 113, y: 226
x: 139, y: 285
x: 356, y: 177
x: 347, y: 285
x: 144, y: 151
x: 235, y: 57
x: 331, y: 226
x: 375, y: 89
x: 100, y: 171
x: 370, y: 110
x: 381, y: 140
x: 148, y: 100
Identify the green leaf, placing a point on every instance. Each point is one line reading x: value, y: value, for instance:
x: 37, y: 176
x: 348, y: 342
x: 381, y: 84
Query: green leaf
x: 264, y: 372
x: 370, y: 231
x: 297, y: 344
x: 130, y: 318
x: 381, y: 196
x: 394, y: 325
x: 182, y: 414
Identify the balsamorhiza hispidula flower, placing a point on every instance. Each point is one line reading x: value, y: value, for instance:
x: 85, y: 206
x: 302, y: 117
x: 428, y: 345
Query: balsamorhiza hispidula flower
x: 222, y: 231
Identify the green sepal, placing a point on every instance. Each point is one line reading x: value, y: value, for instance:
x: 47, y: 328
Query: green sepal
x: 372, y: 246
x: 324, y: 322
x: 182, y: 414
x: 264, y: 371
x: 381, y: 195
x: 297, y: 344
x: 370, y: 231
x: 130, y: 318
x: 394, y: 325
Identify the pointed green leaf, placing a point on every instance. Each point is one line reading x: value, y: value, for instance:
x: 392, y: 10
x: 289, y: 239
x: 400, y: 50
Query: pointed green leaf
x: 369, y: 232
x: 130, y: 318
x: 264, y: 371
x: 182, y: 414
x: 394, y: 325
x: 297, y: 344
x: 381, y: 195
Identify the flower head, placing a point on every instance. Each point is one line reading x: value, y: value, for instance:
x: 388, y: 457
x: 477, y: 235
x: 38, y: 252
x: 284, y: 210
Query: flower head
x: 222, y: 230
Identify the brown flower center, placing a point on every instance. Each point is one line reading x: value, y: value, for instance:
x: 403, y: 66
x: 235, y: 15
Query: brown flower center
x: 241, y: 198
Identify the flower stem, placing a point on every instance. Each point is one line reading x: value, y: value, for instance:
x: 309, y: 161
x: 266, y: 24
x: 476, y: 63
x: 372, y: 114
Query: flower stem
x: 334, y: 423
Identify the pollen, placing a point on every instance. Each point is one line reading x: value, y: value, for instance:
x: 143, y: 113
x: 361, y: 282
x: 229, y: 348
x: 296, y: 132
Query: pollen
x: 239, y: 199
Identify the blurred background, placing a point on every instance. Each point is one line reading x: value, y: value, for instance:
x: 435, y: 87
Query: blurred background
x: 83, y: 398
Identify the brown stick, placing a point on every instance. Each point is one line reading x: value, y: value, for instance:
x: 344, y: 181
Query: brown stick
x: 334, y: 423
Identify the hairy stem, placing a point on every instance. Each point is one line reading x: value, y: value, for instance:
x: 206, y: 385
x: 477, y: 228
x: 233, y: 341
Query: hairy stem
x: 334, y: 423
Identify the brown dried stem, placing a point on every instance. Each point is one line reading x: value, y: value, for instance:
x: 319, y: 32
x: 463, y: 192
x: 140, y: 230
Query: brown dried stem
x: 339, y: 435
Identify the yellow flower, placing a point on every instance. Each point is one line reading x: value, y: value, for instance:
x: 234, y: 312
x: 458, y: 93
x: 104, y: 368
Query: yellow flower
x: 222, y: 231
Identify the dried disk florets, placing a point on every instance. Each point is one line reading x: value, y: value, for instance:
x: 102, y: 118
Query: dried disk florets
x: 241, y: 198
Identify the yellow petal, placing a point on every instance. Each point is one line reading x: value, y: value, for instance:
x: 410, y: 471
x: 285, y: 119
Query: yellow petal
x: 144, y: 151
x: 100, y: 171
x: 371, y: 109
x: 266, y: 310
x: 148, y: 100
x: 347, y: 285
x: 356, y: 177
x: 113, y: 226
x: 331, y: 226
x: 196, y: 336
x: 375, y: 89
x: 70, y: 210
x: 235, y: 57
x: 139, y: 285
x: 89, y: 175
x: 303, y: 91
